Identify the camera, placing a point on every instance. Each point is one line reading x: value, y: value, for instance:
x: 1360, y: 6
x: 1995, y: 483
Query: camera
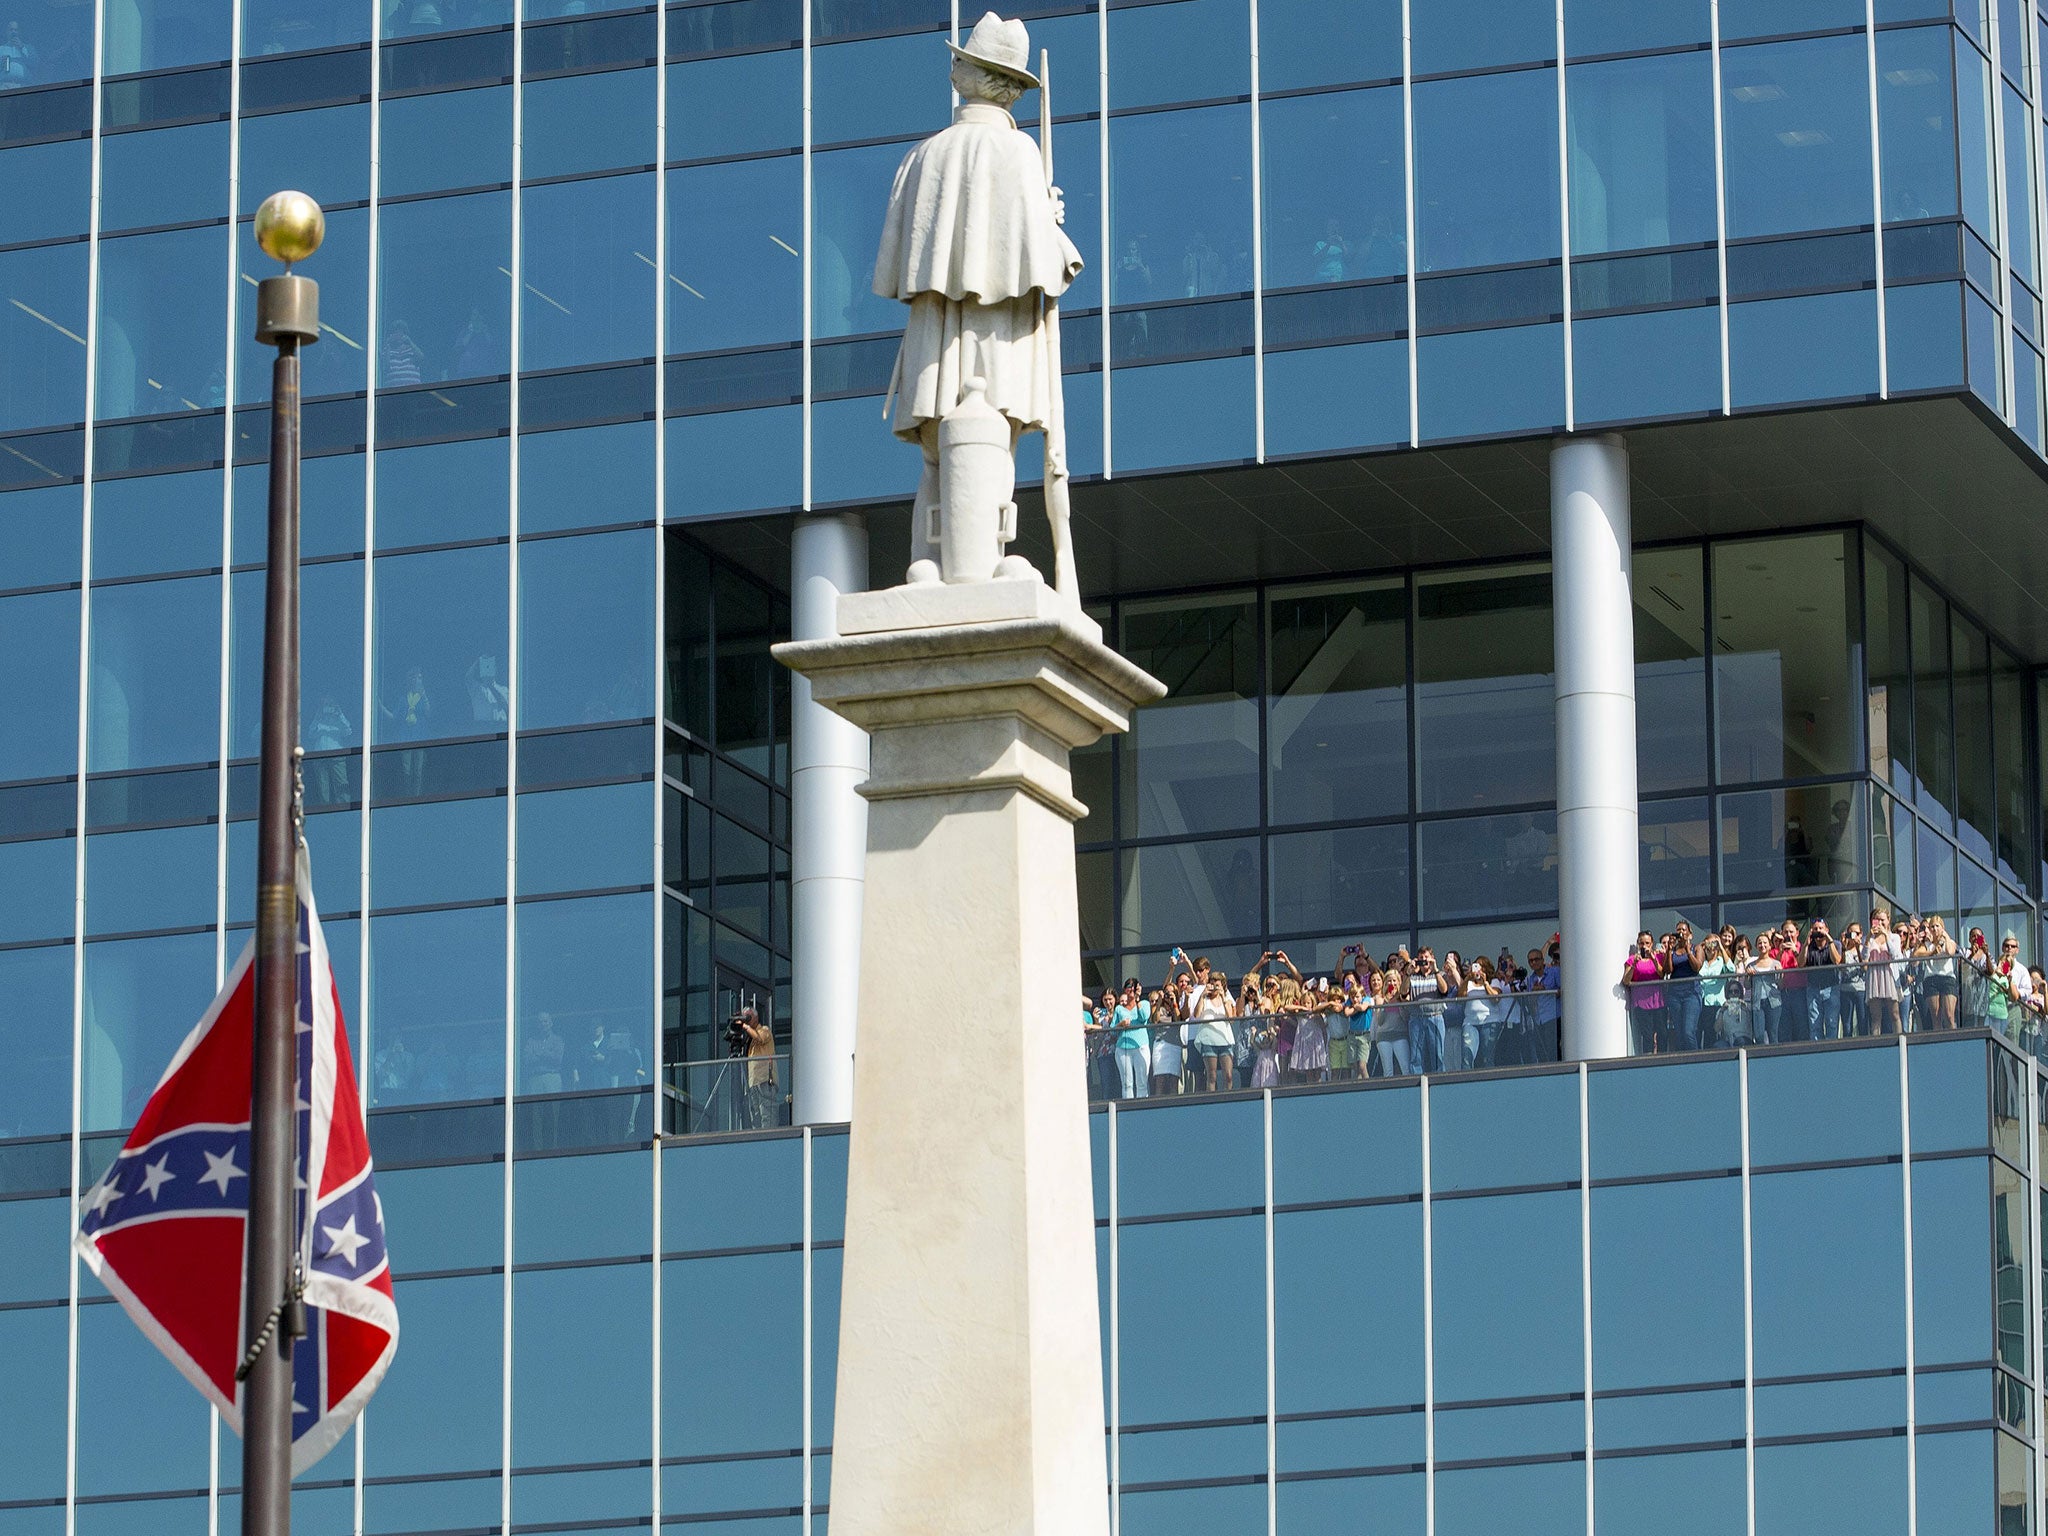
x: 736, y: 1033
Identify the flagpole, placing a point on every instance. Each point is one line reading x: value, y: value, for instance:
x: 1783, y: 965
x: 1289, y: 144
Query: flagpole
x: 289, y: 227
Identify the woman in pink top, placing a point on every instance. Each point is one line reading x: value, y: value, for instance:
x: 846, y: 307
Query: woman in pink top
x: 1640, y: 975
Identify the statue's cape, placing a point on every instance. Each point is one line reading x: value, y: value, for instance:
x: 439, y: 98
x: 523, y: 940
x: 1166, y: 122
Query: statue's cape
x: 969, y: 217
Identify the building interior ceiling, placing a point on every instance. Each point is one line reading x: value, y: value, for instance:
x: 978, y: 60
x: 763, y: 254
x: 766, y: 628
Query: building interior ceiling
x: 1939, y: 477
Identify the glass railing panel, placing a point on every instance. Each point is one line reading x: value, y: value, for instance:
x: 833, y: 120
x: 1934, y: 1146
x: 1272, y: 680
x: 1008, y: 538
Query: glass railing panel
x: 714, y: 1098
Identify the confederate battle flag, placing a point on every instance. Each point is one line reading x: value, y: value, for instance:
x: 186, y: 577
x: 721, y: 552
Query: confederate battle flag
x: 164, y: 1229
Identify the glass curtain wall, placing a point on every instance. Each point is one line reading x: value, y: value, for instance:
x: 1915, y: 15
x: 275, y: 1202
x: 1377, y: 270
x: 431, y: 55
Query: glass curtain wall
x: 1374, y: 760
x: 562, y: 1366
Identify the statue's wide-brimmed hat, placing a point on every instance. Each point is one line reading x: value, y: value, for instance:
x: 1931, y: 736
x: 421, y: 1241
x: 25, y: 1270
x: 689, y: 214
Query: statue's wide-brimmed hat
x: 1003, y: 46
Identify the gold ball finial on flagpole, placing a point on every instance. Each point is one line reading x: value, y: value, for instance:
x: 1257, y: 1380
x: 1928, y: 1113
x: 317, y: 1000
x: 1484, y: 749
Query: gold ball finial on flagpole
x: 290, y: 226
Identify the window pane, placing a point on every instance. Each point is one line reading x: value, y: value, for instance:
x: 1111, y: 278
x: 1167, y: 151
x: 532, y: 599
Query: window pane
x: 1352, y: 878
x: 141, y: 996
x: 1332, y: 187
x: 1775, y: 840
x: 741, y: 1394
x: 733, y: 103
x: 1534, y: 1347
x: 1642, y: 152
x: 440, y: 642
x: 1976, y: 789
x: 1653, y: 1244
x: 587, y: 966
x: 444, y: 1415
x: 154, y: 695
x: 1853, y: 1217
x: 850, y: 195
x: 1327, y: 42
x: 1796, y: 119
x: 1486, y: 170
x: 586, y: 617
x: 1671, y: 648
x: 42, y: 330
x: 39, y: 692
x: 446, y: 139
x: 1180, y: 204
x: 582, y: 123
x: 734, y: 233
x: 1916, y: 123
x: 1190, y: 893
x: 1933, y: 729
x: 1228, y: 1376
x: 442, y: 493
x: 589, y: 286
x: 1781, y: 663
x: 35, y: 1031
x: 157, y: 358
x: 1191, y: 762
x: 1622, y: 26
x: 1337, y: 727
x: 444, y: 292
x: 437, y: 1005
x: 1485, y: 699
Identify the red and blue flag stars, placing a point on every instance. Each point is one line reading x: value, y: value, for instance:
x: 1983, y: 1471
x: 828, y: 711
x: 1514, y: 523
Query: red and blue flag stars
x: 165, y: 1228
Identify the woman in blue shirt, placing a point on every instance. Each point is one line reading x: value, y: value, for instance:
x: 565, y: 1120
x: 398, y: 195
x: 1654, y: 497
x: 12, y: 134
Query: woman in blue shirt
x: 1130, y: 1020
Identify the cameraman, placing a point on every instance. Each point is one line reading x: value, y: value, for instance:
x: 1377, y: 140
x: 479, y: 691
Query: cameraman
x: 759, y: 1048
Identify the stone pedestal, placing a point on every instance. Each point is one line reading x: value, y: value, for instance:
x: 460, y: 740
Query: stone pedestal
x: 970, y: 1392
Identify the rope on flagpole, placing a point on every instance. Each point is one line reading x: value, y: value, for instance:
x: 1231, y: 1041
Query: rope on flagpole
x: 294, y: 1304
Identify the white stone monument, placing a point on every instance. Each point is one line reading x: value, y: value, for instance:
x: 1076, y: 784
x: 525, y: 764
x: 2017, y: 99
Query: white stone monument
x: 970, y: 1369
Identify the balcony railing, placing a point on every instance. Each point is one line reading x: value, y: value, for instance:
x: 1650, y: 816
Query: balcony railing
x: 1452, y: 1034
x: 740, y: 1093
x: 1844, y: 1002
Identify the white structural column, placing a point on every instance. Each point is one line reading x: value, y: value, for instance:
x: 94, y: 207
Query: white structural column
x: 969, y: 1386
x: 1599, y: 884
x: 828, y: 760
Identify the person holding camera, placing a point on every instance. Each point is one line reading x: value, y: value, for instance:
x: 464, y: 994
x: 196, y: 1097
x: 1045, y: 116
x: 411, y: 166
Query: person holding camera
x: 759, y: 1042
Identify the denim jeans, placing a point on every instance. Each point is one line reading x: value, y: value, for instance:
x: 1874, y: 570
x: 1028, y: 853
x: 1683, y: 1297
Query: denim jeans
x: 1822, y: 1013
x: 1682, y: 1018
x: 1132, y: 1072
x: 1426, y: 1042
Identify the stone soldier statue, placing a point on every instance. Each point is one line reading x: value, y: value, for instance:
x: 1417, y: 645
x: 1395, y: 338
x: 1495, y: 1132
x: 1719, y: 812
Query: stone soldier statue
x: 972, y: 243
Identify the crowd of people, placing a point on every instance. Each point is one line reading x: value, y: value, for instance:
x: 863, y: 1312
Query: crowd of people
x: 1690, y: 991
x: 1197, y: 1032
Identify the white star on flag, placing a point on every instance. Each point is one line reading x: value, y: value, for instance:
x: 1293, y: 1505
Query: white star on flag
x: 221, y: 1169
x: 103, y: 1195
x: 345, y: 1240
x: 155, y: 1176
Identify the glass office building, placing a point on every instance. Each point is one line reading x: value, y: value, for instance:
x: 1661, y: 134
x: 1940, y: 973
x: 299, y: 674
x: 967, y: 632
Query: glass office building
x: 599, y: 365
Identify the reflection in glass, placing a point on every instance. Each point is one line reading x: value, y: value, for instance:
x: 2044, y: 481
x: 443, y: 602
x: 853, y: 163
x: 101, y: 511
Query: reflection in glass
x: 735, y: 233
x: 40, y: 692
x: 1332, y: 190
x: 1180, y: 205
x: 1485, y: 732
x: 1934, y: 732
x: 1354, y: 879
x: 1674, y: 1239
x: 159, y: 34
x: 1641, y: 144
x: 1789, y: 838
x: 1796, y: 126
x: 1486, y: 170
x: 585, y: 610
x: 1327, y: 42
x: 153, y: 697
x: 446, y: 139
x: 157, y: 358
x: 140, y: 998
x: 439, y: 647
x: 1187, y: 50
x: 1191, y: 762
x: 437, y: 1006
x: 1781, y: 664
x: 1916, y: 123
x: 1337, y: 726
x: 850, y: 194
x: 443, y: 273
x: 589, y: 279
x: 1671, y: 648
x: 1190, y: 893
